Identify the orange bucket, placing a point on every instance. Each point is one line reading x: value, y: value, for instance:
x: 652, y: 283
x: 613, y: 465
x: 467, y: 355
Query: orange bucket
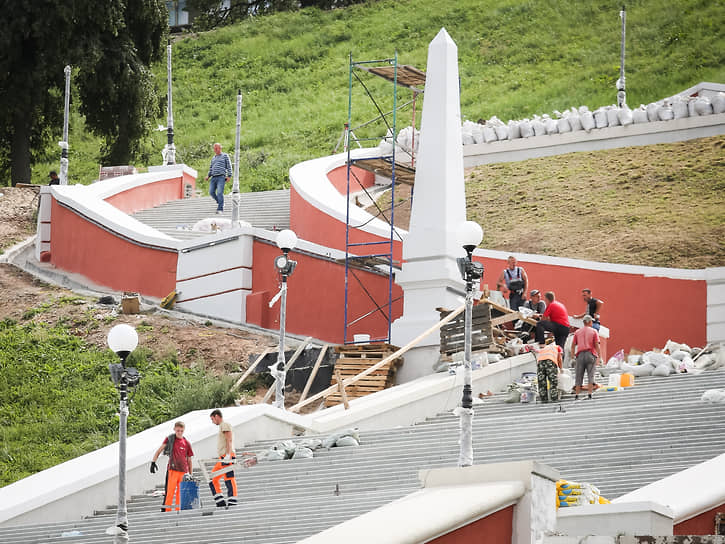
x: 627, y: 379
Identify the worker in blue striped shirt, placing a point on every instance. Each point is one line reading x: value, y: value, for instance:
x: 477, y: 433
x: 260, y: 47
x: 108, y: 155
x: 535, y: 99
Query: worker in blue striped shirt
x: 220, y: 170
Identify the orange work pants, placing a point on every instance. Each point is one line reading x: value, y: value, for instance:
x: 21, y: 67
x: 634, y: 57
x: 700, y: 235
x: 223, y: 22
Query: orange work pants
x: 230, y: 483
x: 173, y: 488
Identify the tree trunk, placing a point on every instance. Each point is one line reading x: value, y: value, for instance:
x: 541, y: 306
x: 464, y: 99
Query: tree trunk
x: 20, y: 152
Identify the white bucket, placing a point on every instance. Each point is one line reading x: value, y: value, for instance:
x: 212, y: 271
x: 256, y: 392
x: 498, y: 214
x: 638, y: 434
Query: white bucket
x: 614, y: 380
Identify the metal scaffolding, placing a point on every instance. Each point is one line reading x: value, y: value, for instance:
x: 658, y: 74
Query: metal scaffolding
x: 376, y: 256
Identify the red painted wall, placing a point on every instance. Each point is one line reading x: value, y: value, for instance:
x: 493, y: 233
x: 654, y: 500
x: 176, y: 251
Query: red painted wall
x: 149, y: 195
x: 704, y: 524
x: 641, y: 312
x: 496, y: 528
x: 106, y: 259
x: 316, y: 297
x: 338, y: 178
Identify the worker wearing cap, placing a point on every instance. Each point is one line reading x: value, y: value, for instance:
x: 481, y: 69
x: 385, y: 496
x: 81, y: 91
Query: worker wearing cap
x: 548, y: 363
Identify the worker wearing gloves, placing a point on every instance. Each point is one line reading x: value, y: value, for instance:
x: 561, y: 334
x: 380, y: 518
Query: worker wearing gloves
x: 180, y: 454
x: 227, y: 457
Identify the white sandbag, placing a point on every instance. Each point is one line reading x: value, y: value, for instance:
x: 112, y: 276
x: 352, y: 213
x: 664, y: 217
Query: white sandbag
x: 563, y: 125
x: 686, y: 365
x: 216, y: 224
x: 409, y: 138
x: 600, y: 118
x: 489, y: 134
x: 691, y: 108
x: 587, y: 121
x: 662, y: 370
x: 679, y: 355
x: 703, y: 105
x: 467, y: 138
x: 638, y: 370
x: 671, y: 346
x: 574, y: 119
x: 639, y: 115
x: 551, y: 126
x: 538, y: 126
x: 526, y: 129
x: 275, y: 455
x: 502, y: 132
x: 625, y: 116
x: 714, y: 396
x: 346, y: 441
x: 718, y: 103
x: 613, y: 117
x: 565, y: 382
x: 514, y: 130
x: 653, y: 111
x: 477, y: 133
x: 302, y: 453
x: 679, y: 107
x: 664, y: 113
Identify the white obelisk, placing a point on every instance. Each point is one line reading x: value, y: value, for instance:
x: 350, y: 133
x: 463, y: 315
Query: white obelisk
x: 430, y: 277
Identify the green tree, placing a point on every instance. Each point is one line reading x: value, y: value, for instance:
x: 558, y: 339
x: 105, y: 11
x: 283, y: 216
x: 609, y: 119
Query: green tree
x: 110, y: 44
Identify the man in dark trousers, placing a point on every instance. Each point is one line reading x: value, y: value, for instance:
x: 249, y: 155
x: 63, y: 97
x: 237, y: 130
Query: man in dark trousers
x: 516, y: 281
x: 594, y: 305
x: 180, y: 453
x: 554, y: 319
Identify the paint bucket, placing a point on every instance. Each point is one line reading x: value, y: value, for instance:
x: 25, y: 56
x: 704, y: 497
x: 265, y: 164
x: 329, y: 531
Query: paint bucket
x: 615, y: 380
x: 189, y: 494
x: 528, y: 396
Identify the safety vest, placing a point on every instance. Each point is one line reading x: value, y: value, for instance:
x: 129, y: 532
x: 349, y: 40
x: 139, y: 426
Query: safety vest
x: 549, y: 352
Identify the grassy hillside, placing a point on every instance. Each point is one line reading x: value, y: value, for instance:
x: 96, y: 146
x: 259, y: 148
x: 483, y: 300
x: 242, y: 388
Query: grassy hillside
x: 516, y: 58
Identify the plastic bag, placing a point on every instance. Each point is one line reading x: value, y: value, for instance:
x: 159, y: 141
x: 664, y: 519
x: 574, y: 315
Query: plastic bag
x: 565, y: 382
x: 714, y: 396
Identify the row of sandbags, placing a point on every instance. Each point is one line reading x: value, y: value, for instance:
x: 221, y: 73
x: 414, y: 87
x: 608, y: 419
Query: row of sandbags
x: 581, y: 118
x: 305, y: 448
x: 674, y: 358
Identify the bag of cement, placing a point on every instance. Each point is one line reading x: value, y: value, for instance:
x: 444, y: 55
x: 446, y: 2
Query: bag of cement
x: 638, y: 370
x: 691, y: 109
x: 489, y: 134
x: 714, y: 396
x: 718, y: 103
x: 657, y: 359
x: 653, y: 111
x: 679, y: 107
x: 514, y: 130
x: 514, y: 396
x: 526, y: 129
x: 331, y: 440
x: 703, y: 105
x: 346, y: 441
x: 625, y: 116
x: 665, y: 113
x: 600, y: 118
x: 551, y: 126
x: 288, y: 446
x: 613, y: 116
x: 538, y: 126
x: 587, y: 120
x: 672, y: 347
x: 467, y: 138
x: 302, y: 453
x: 562, y: 125
x: 639, y: 115
x: 662, y: 370
x: 679, y: 355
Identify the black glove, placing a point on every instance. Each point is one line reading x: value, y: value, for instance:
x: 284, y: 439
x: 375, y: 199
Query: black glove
x: 154, y: 467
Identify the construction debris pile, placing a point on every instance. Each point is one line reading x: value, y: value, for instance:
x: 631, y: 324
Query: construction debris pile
x: 576, y: 119
x: 674, y: 358
x: 305, y: 448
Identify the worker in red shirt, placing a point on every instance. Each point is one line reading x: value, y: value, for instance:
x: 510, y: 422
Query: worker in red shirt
x: 180, y: 453
x: 554, y: 319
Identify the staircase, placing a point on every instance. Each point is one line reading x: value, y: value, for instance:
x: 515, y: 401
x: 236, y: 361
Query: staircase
x: 265, y: 209
x: 619, y: 441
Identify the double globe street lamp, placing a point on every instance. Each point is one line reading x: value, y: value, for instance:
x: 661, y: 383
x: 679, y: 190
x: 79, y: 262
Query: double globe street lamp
x: 122, y: 339
x: 469, y: 235
x: 286, y: 241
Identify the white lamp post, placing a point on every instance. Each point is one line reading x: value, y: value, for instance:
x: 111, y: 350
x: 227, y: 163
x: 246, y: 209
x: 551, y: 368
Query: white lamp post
x: 122, y: 339
x: 286, y: 241
x: 469, y: 236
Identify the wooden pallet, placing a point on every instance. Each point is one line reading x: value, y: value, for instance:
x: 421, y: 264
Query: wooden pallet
x: 354, y: 359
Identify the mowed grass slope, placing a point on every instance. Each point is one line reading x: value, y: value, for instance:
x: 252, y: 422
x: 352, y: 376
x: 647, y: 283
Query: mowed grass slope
x: 516, y: 59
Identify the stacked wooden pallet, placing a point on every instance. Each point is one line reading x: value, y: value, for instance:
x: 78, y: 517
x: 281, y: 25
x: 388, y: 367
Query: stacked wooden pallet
x: 354, y: 359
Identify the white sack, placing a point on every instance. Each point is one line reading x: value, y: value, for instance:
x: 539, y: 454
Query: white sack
x: 514, y: 130
x: 718, y: 103
x: 489, y: 134
x: 551, y: 126
x: 625, y: 116
x: 653, y: 111
x: 587, y: 121
x: 538, y: 126
x: 563, y: 125
x: 714, y: 395
x: 703, y: 105
x: 662, y: 370
x: 665, y: 113
x: 679, y: 107
x: 502, y: 132
x: 640, y: 115
x: 526, y: 129
x: 600, y: 118
x: 613, y: 117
